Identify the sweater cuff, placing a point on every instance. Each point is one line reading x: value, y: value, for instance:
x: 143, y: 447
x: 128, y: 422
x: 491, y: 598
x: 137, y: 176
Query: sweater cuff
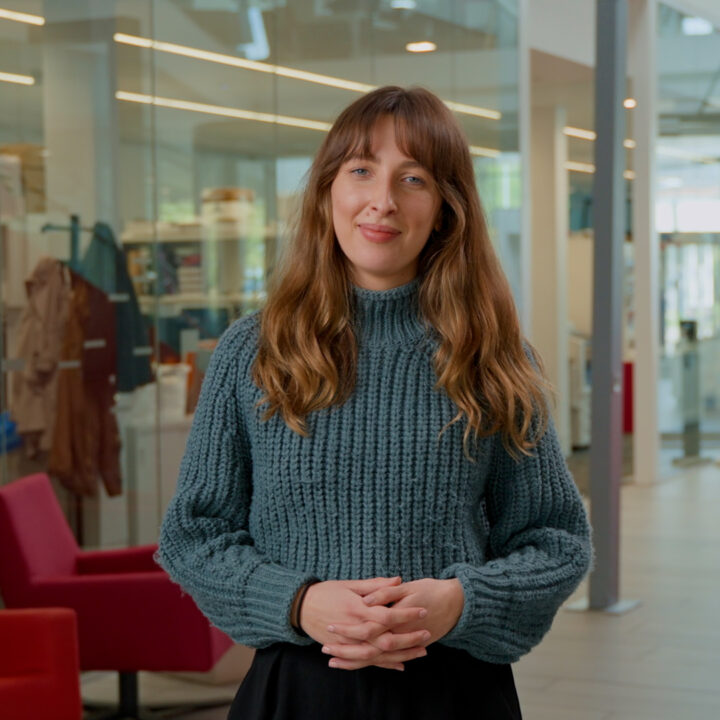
x: 484, y: 606
x: 269, y: 594
x: 463, y: 623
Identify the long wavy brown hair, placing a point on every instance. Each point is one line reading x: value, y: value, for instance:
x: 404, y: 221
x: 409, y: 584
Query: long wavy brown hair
x: 307, y: 354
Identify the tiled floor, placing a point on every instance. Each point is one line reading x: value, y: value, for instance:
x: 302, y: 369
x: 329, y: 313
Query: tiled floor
x: 660, y: 661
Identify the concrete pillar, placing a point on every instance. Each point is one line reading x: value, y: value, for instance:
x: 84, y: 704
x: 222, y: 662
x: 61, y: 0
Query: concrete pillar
x: 550, y: 211
x: 80, y: 111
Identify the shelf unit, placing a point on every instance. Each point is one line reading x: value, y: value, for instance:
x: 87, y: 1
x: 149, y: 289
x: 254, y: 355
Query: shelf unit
x: 221, y: 267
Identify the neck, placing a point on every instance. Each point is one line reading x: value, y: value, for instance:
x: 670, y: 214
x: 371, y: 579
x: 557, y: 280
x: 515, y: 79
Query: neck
x: 384, y: 317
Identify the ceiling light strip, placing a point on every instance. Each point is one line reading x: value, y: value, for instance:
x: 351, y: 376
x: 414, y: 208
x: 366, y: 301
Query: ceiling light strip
x: 484, y: 151
x: 590, y: 169
x: 280, y: 70
x: 579, y: 133
x: 591, y: 135
x: 21, y: 17
x: 250, y: 115
x: 580, y: 167
x: 222, y: 111
x: 473, y: 110
x: 17, y: 79
x: 242, y: 63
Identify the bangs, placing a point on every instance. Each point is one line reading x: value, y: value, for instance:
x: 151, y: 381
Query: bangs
x: 425, y: 130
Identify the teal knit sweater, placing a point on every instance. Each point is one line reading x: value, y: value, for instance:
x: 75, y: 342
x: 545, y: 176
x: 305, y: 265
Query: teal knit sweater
x: 260, y: 510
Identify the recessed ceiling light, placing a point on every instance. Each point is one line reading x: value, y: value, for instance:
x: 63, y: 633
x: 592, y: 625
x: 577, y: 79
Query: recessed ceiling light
x: 403, y: 4
x: 630, y: 103
x: 696, y: 26
x: 421, y: 47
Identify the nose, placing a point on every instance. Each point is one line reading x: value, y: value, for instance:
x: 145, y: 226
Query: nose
x: 383, y: 198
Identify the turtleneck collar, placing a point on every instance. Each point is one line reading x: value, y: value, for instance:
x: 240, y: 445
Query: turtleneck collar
x: 384, y: 317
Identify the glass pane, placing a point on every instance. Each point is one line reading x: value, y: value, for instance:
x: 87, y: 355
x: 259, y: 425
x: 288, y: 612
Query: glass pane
x: 186, y: 129
x: 77, y: 356
x: 688, y: 220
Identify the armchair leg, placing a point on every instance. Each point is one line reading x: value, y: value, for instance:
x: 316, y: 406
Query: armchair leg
x: 128, y: 694
x: 129, y: 707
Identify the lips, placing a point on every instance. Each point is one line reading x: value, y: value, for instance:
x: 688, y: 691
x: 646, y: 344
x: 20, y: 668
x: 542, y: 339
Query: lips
x: 378, y: 233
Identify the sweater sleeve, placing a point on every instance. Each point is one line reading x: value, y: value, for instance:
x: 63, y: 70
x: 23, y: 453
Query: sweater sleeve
x: 539, y: 549
x: 205, y: 545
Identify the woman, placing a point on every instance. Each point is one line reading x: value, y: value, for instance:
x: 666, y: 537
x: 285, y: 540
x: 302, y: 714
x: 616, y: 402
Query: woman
x: 372, y: 481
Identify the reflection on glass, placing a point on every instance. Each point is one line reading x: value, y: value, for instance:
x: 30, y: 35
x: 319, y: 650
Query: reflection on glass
x: 187, y: 131
x: 688, y: 214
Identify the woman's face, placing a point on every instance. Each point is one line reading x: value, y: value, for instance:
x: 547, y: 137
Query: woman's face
x: 384, y: 208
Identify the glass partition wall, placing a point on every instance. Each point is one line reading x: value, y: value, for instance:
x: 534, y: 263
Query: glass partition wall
x: 688, y: 221
x: 151, y: 157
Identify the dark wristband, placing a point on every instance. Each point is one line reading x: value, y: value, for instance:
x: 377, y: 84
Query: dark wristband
x: 303, y: 591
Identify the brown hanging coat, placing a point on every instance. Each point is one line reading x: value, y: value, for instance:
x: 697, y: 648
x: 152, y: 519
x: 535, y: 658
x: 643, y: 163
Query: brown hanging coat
x: 86, y: 441
x: 40, y: 335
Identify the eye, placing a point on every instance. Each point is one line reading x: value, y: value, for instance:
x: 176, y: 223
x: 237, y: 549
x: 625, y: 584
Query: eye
x: 360, y: 172
x: 414, y: 180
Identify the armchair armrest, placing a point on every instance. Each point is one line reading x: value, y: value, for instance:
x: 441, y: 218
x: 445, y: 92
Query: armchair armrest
x: 39, y: 668
x: 37, y: 640
x: 125, y: 560
x: 132, y: 615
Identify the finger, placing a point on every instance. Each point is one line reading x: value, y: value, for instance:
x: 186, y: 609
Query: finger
x: 400, y: 656
x: 385, y: 595
x: 391, y: 666
x: 390, y: 617
x: 357, y: 665
x: 358, y: 651
x: 388, y: 642
x: 348, y: 632
x: 363, y: 587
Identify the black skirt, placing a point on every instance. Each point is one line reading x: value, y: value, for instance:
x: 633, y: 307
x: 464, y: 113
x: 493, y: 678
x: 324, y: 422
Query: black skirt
x: 292, y: 682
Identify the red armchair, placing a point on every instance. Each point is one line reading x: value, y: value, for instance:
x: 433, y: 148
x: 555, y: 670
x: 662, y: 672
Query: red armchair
x: 39, y: 673
x: 131, y: 617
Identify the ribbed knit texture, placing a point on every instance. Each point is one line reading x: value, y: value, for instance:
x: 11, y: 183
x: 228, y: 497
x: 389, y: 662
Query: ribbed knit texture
x: 260, y: 510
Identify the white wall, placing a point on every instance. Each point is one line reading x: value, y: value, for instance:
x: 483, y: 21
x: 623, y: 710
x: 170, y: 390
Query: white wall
x: 580, y: 282
x: 565, y: 28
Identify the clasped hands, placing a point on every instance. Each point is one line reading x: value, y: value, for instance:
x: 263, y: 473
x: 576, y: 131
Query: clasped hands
x: 379, y: 621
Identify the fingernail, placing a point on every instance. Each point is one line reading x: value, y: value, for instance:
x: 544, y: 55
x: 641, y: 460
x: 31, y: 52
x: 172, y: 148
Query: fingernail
x: 333, y: 663
x: 400, y: 668
x: 369, y: 599
x: 426, y: 635
x: 423, y: 612
x: 331, y: 628
x: 326, y: 649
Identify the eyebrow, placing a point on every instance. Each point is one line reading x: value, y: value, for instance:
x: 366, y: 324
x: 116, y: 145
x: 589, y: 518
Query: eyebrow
x: 372, y: 158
